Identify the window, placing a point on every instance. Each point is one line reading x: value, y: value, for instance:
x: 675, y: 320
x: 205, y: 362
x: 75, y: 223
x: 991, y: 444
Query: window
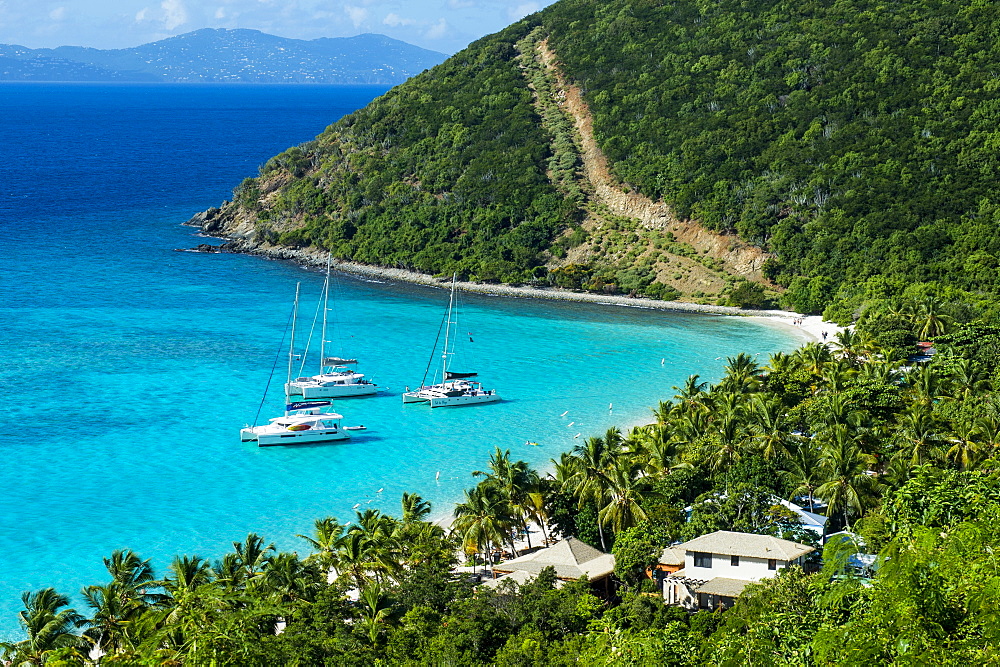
x: 734, y: 561
x: 772, y: 564
x: 702, y: 559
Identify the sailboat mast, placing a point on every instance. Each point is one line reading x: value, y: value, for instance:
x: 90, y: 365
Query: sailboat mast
x: 291, y: 346
x: 447, y: 330
x: 326, y: 300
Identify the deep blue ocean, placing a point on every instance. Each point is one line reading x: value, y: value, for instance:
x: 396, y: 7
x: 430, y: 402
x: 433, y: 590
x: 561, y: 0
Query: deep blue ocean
x: 127, y: 368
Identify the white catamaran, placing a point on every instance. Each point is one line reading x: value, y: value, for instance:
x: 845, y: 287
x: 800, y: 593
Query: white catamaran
x: 335, y: 379
x: 455, y: 389
x: 303, y: 421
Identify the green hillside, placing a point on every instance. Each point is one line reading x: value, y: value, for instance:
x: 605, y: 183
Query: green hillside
x: 854, y: 142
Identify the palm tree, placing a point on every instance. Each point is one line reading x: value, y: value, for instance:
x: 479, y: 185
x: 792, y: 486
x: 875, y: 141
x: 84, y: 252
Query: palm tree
x: 813, y: 357
x: 691, y: 392
x: 251, y: 554
x: 382, y: 548
x: 742, y: 374
x: 837, y: 375
x: 966, y: 377
x: 481, y: 520
x: 656, y: 445
x: 588, y: 478
x: 988, y: 433
x: 849, y: 344
x: 133, y: 575
x: 186, y: 573
x: 512, y: 480
x: 375, y: 610
x: 118, y: 604
x: 965, y: 451
x: 919, y: 433
x: 47, y: 628
x: 781, y: 362
x: 328, y: 533
x: 929, y: 319
x: 724, y: 444
x: 802, y: 469
x: 285, y: 579
x: 354, y: 557
x: 848, y: 486
x: 768, y: 425
x: 622, y: 508
x: 415, y: 508
x: 926, y: 385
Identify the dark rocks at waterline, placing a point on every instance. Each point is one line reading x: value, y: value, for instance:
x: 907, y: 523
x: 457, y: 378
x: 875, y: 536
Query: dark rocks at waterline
x: 208, y: 221
x: 205, y: 247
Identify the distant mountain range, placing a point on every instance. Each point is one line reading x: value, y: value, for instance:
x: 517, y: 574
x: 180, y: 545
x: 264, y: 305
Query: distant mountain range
x: 225, y: 56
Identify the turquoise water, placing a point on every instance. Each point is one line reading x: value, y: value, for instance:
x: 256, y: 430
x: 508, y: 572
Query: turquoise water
x: 128, y: 368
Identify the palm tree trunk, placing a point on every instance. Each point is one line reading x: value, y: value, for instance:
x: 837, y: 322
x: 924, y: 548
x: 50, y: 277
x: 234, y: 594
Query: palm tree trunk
x: 600, y: 532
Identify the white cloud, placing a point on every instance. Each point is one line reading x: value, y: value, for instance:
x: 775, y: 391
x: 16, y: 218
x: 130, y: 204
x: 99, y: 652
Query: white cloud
x: 175, y: 14
x: 438, y: 30
x: 523, y: 10
x: 395, y: 20
x: 58, y: 14
x: 461, y: 4
x: 140, y: 15
x: 358, y: 15
x: 220, y: 13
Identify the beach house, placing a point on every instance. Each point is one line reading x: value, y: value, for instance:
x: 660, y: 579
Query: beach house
x: 570, y: 558
x: 718, y: 566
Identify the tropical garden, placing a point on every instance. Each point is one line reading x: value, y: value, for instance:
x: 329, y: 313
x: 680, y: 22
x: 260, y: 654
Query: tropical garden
x: 900, y: 450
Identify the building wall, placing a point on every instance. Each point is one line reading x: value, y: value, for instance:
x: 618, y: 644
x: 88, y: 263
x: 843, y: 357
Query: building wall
x: 750, y: 569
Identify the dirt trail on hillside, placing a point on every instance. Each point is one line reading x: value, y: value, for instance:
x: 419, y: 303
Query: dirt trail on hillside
x: 739, y: 258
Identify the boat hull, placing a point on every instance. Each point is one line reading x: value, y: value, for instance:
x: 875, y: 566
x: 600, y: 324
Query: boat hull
x: 456, y: 401
x: 266, y: 437
x: 414, y: 397
x: 339, y: 391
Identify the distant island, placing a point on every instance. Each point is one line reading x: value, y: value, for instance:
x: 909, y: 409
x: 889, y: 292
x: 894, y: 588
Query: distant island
x: 225, y: 56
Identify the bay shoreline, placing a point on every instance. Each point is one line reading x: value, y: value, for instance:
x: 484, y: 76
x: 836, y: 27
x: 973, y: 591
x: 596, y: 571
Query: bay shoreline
x: 808, y: 329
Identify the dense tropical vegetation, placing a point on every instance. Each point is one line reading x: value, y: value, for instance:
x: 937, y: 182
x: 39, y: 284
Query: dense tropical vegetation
x: 904, y: 453
x: 854, y: 141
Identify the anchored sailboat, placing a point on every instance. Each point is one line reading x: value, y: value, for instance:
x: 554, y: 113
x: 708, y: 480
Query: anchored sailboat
x: 456, y: 388
x: 303, y: 421
x: 335, y: 379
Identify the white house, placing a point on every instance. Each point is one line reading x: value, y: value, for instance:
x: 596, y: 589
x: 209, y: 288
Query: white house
x: 719, y: 565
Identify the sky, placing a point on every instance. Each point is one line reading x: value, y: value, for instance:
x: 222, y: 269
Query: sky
x: 441, y: 25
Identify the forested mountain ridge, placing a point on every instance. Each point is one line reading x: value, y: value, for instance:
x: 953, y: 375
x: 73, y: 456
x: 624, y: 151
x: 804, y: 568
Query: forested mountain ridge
x: 851, y: 142
x: 213, y: 55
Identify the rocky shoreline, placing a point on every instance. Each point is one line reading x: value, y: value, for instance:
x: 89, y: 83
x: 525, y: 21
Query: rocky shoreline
x: 316, y: 259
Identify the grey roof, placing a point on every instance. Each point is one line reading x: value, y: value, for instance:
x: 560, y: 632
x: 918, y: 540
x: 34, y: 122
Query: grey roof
x: 518, y: 576
x: 750, y: 545
x: 570, y: 558
x: 672, y: 556
x: 730, y: 588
